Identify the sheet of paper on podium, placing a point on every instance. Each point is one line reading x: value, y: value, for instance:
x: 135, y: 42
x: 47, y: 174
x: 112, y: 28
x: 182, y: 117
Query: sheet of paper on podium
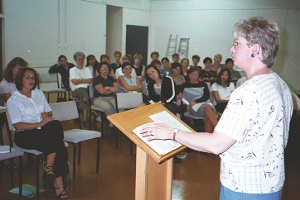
x: 162, y: 146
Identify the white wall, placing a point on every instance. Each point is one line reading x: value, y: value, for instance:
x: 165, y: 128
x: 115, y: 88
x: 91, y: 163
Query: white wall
x: 209, y: 25
x: 30, y: 33
x: 39, y: 31
x: 114, y: 30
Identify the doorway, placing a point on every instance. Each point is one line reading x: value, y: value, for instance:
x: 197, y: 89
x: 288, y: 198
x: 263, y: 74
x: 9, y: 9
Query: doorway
x: 137, y: 41
x: 114, y: 19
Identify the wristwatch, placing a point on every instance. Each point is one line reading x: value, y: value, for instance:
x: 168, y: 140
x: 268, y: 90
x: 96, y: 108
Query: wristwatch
x: 174, y: 133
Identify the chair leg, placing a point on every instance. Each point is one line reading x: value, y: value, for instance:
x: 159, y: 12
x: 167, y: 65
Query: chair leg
x: 98, y: 155
x: 0, y: 172
x: 79, y: 153
x: 74, y: 160
x: 70, y: 97
x: 11, y: 172
x: 20, y: 175
x: 117, y: 139
x: 102, y: 123
x: 37, y: 175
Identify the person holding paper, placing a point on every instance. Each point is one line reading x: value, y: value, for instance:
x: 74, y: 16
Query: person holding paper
x: 196, y: 95
x: 253, y: 131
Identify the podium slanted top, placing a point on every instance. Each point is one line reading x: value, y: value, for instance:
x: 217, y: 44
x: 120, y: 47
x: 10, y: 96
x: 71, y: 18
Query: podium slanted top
x: 159, y: 150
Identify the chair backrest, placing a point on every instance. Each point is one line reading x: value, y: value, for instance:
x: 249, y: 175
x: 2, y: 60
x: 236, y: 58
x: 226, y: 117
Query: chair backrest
x: 10, y: 126
x: 48, y: 81
x: 129, y: 100
x: 144, y: 85
x: 63, y: 111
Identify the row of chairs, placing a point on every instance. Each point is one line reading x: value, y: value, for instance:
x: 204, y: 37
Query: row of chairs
x: 63, y: 111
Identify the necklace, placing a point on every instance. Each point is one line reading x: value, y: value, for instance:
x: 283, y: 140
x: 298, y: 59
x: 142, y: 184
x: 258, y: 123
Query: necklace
x: 158, y: 84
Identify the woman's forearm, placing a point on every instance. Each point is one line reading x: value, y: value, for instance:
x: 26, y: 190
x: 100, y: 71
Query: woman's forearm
x: 27, y: 126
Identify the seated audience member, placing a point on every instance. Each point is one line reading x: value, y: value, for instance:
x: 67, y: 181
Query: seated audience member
x: 166, y: 64
x: 208, y: 75
x: 7, y: 88
x: 63, y: 68
x: 35, y: 128
x: 160, y: 89
x: 161, y: 69
x: 217, y: 66
x: 197, y: 94
x: 126, y: 58
x: 128, y: 82
x: 104, y: 88
x: 235, y: 75
x: 117, y: 64
x: 7, y: 85
x: 241, y: 81
x: 137, y: 66
x: 222, y: 89
x: 104, y: 58
x: 154, y: 55
x: 196, y: 60
x: 176, y: 76
x: 175, y: 58
x: 185, y: 66
x: 80, y: 79
x: 91, y: 63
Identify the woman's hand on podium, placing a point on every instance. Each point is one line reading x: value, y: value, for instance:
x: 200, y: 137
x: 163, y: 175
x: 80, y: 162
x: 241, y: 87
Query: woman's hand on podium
x: 157, y: 131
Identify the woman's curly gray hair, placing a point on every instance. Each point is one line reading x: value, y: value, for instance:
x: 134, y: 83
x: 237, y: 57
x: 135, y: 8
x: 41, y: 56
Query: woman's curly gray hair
x: 257, y: 30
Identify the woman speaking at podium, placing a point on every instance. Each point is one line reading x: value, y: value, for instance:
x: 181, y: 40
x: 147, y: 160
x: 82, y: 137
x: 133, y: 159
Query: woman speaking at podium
x: 253, y: 131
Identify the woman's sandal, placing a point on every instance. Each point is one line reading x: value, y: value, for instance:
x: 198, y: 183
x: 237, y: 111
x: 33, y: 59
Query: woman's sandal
x: 48, y: 177
x: 62, y: 194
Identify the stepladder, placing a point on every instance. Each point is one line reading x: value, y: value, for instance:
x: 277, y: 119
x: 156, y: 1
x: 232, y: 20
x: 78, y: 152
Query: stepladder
x: 172, y: 45
x: 183, y: 49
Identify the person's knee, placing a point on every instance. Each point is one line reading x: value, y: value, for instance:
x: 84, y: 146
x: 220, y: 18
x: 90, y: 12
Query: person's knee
x: 109, y: 110
x: 207, y: 110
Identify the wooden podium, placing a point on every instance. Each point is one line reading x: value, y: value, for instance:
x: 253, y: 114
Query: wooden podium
x: 153, y: 172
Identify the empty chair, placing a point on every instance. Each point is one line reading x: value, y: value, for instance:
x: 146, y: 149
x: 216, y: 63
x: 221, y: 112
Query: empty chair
x: 64, y: 111
x: 49, y: 84
x: 126, y: 101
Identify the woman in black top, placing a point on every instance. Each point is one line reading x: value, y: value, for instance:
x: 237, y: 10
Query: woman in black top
x: 62, y: 67
x: 160, y: 89
x: 104, y: 87
x: 208, y: 75
x: 137, y: 66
